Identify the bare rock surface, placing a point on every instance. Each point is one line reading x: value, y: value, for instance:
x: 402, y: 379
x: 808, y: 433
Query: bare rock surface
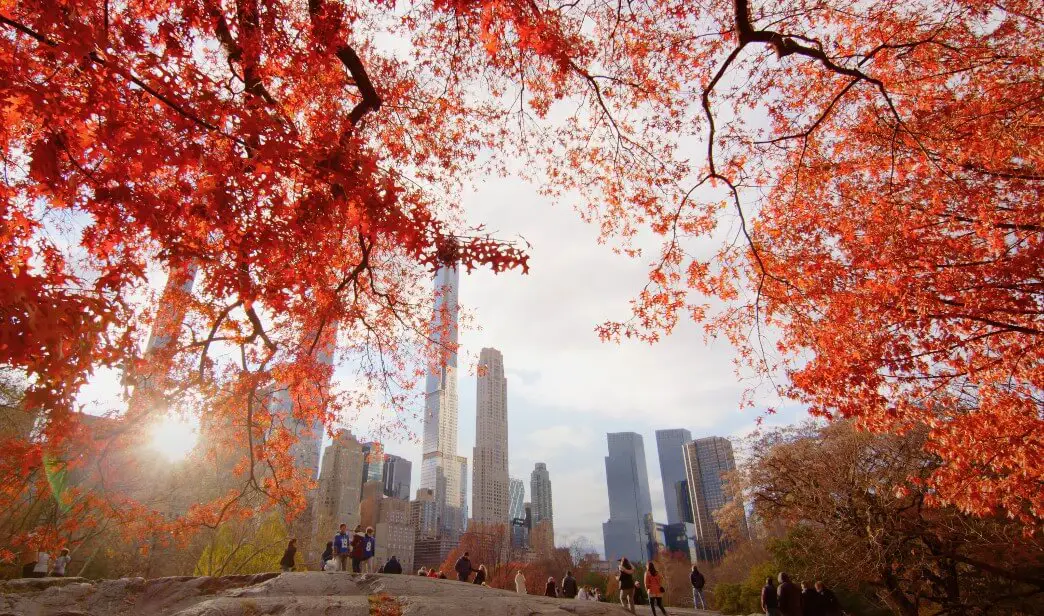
x: 281, y: 594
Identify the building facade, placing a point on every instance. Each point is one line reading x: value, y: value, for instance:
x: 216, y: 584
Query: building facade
x: 630, y: 531
x: 391, y: 520
x: 490, y: 490
x: 441, y: 469
x: 339, y: 492
x: 397, y: 473
x: 540, y: 493
x: 373, y: 463
x: 423, y: 514
x: 706, y: 461
x: 516, y: 499
x: 670, y: 445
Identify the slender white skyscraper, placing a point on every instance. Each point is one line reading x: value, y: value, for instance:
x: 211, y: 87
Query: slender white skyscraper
x: 442, y: 470
x: 490, y: 458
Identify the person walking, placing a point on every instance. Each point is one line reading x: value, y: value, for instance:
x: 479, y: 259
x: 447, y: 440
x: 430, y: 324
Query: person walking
x: 520, y: 583
x: 342, y: 547
x: 810, y: 601
x: 61, y: 562
x: 480, y: 575
x: 550, y: 589
x: 828, y: 600
x: 43, y: 559
x: 626, y: 578
x: 326, y: 556
x: 789, y: 596
x: 463, y: 568
x: 769, y: 600
x: 369, y: 548
x: 698, y: 582
x: 358, y: 549
x: 654, y: 588
x: 287, y: 562
x: 569, y: 589
x: 393, y: 566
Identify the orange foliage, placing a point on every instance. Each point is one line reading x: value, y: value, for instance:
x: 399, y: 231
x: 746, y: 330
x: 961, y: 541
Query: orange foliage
x: 887, y: 198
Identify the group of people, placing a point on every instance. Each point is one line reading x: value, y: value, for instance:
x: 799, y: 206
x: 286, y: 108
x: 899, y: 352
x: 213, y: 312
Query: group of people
x: 463, y: 569
x: 45, y: 567
x: 655, y: 586
x: 788, y: 599
x: 359, y: 548
x: 569, y: 589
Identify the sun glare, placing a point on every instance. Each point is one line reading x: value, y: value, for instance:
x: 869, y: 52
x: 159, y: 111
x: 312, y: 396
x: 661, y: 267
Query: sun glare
x: 174, y: 438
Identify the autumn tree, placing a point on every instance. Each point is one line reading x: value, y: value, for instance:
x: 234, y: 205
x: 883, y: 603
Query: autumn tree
x: 855, y: 508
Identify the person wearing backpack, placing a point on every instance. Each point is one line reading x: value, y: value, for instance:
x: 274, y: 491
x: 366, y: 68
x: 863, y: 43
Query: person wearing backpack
x: 698, y: 582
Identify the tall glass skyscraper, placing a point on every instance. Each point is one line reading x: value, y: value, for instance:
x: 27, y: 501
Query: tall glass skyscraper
x: 442, y: 470
x: 706, y: 460
x: 630, y: 531
x: 516, y: 497
x: 670, y: 445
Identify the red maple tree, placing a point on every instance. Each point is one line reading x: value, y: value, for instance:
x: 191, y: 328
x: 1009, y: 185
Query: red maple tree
x: 868, y: 175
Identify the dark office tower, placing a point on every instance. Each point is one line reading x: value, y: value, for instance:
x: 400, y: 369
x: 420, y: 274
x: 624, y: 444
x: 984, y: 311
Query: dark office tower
x: 670, y: 445
x: 629, y: 532
x: 397, y: 472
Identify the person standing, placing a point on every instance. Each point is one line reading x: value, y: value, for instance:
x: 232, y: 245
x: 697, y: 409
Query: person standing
x: 789, y: 596
x: 698, y: 582
x: 569, y: 589
x: 358, y: 549
x: 369, y: 548
x: 393, y: 566
x: 61, y: 562
x: 828, y: 600
x: 626, y: 578
x: 287, y: 562
x: 654, y: 587
x: 463, y: 568
x: 342, y: 547
x: 480, y: 575
x: 769, y: 600
x: 520, y: 583
x: 42, y: 561
x: 550, y: 589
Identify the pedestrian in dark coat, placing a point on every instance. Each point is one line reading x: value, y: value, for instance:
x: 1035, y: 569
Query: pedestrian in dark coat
x: 480, y: 575
x: 810, y: 604
x: 789, y: 596
x: 828, y: 600
x: 551, y: 590
x: 698, y: 582
x: 463, y: 567
x: 769, y: 599
x: 287, y: 563
x: 358, y: 549
x: 393, y: 566
x: 569, y: 589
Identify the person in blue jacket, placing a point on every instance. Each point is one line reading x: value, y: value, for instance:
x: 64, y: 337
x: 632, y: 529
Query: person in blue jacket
x: 342, y: 545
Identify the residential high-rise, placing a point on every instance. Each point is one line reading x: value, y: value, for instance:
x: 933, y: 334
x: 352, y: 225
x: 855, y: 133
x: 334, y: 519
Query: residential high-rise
x: 706, y: 461
x: 490, y: 496
x: 340, y: 489
x: 423, y: 516
x: 669, y: 446
x: 630, y: 530
x: 390, y: 519
x: 397, y: 473
x: 540, y: 493
x: 441, y: 467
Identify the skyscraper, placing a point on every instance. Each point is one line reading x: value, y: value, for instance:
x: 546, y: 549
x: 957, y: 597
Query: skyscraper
x: 340, y: 487
x: 490, y: 457
x: 629, y: 531
x: 706, y: 460
x: 373, y: 463
x: 516, y: 498
x: 540, y: 493
x: 441, y: 468
x: 669, y: 446
x: 397, y: 473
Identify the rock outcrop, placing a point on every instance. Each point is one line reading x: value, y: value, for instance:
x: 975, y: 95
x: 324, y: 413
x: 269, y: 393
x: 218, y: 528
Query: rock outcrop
x: 279, y: 594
